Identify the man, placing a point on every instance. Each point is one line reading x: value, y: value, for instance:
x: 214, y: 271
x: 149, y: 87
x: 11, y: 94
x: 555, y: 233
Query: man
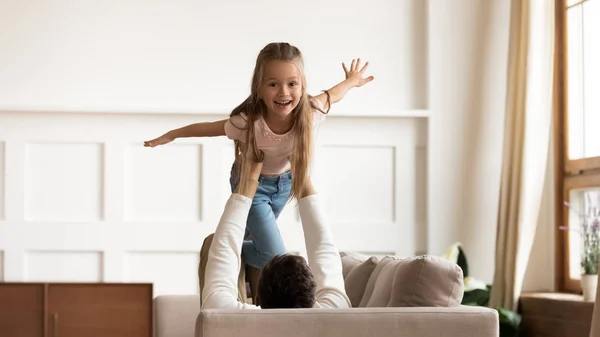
x: 287, y: 281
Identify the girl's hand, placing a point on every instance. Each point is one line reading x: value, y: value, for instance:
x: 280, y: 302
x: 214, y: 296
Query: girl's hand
x: 164, y: 139
x: 249, y: 180
x: 255, y: 169
x: 356, y: 74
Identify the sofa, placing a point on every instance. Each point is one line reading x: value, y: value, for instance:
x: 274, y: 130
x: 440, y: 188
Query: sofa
x: 391, y: 296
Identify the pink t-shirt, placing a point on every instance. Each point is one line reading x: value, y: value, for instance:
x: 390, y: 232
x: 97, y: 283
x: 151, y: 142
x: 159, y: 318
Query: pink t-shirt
x: 276, y: 147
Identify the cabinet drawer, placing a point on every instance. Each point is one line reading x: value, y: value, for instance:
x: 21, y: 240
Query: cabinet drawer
x: 21, y: 310
x: 96, y: 310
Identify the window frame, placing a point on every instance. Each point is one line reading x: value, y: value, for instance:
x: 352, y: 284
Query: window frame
x: 569, y: 174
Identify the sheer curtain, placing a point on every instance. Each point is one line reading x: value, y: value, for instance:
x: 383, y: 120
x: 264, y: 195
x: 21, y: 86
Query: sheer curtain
x: 526, y: 139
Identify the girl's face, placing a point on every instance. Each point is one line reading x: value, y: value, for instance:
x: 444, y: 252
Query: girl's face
x: 281, y: 88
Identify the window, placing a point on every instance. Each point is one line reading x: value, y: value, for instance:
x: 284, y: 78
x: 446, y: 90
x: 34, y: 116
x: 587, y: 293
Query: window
x: 577, y: 129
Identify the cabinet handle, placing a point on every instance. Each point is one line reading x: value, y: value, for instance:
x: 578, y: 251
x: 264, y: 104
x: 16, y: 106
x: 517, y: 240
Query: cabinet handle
x: 55, y: 319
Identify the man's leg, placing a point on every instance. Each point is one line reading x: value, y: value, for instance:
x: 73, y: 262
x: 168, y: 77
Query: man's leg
x: 242, y: 294
x: 202, y: 265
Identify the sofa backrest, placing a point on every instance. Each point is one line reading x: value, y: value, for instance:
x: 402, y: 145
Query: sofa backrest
x: 420, y: 281
x: 355, y: 322
x: 175, y: 315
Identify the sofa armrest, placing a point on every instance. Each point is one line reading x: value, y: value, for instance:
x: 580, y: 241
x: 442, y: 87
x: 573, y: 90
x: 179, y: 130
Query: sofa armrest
x: 354, y: 322
x: 174, y: 315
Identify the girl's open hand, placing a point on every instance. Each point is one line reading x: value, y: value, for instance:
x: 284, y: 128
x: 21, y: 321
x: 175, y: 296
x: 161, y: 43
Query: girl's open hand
x: 356, y: 73
x: 164, y: 139
x: 255, y: 169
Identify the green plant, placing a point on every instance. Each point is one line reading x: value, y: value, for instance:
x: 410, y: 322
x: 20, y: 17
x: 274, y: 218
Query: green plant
x: 589, y: 232
x: 477, y: 293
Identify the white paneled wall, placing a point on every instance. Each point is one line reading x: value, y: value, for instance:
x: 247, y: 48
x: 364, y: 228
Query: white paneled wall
x: 172, y: 272
x: 1, y: 266
x: 63, y: 181
x: 175, y: 171
x: 83, y: 200
x: 182, y: 55
x: 56, y: 265
x: 2, y: 197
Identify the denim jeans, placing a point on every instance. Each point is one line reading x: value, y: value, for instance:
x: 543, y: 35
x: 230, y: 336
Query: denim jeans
x: 270, y: 199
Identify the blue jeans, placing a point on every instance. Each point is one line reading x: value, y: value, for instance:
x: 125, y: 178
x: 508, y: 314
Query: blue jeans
x: 270, y: 199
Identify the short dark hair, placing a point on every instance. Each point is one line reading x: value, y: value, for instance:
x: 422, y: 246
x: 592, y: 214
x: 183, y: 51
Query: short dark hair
x: 286, y: 282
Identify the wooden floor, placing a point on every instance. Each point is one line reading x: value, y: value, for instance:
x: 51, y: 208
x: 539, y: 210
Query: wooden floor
x: 555, y: 315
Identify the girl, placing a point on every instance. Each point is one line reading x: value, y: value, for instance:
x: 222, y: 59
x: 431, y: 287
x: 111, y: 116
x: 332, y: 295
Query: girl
x: 274, y: 126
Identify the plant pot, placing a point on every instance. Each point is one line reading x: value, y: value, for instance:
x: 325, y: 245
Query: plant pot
x: 589, y: 284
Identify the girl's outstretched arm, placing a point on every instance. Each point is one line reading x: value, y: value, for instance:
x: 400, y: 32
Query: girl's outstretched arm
x: 207, y: 129
x: 354, y: 78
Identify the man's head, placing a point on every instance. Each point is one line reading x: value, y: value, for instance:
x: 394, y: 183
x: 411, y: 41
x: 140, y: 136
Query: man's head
x: 286, y: 282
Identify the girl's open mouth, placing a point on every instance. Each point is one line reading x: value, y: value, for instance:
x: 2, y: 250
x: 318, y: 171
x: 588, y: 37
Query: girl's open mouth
x: 282, y: 104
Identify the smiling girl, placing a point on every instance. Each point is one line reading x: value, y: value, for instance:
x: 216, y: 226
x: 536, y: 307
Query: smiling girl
x: 273, y: 125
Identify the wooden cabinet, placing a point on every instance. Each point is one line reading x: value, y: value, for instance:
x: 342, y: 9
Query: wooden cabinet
x: 555, y: 315
x: 75, y: 309
x: 21, y: 310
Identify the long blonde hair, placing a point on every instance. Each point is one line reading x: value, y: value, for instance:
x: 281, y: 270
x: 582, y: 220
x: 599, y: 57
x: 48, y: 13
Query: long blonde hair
x: 255, y: 108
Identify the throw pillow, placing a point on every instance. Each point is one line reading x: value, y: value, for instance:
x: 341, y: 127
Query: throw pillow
x: 349, y: 261
x: 372, y: 279
x: 427, y: 281
x: 357, y: 279
x: 382, y: 290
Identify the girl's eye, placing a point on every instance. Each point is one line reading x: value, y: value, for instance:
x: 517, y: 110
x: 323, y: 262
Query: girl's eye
x: 272, y: 84
x: 293, y: 84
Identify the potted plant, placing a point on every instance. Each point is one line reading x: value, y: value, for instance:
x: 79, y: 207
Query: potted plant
x: 589, y: 232
x: 477, y: 293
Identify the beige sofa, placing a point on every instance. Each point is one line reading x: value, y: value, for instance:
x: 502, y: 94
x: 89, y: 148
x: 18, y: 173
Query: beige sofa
x: 412, y: 297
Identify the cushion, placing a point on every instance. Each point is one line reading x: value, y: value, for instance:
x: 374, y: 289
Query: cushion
x: 371, y: 283
x: 351, y: 260
x: 427, y: 281
x: 382, y: 289
x: 356, y: 281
